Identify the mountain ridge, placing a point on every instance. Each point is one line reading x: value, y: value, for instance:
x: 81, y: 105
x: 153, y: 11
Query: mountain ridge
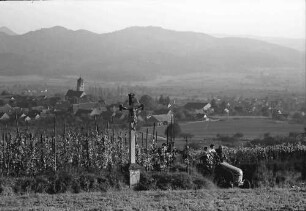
x: 7, y: 31
x: 138, y: 53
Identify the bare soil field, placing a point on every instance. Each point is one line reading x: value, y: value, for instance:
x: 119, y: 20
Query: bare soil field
x: 216, y: 199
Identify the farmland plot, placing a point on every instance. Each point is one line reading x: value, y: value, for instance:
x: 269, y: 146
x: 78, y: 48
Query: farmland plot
x: 249, y: 127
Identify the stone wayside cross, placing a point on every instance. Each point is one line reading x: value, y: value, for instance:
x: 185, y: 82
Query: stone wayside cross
x: 133, y: 109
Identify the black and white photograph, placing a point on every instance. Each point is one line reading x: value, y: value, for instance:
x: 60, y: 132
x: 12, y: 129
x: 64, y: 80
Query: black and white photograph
x: 153, y: 105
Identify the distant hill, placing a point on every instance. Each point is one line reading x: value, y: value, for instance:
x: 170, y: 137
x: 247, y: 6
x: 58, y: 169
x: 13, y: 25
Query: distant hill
x: 7, y: 31
x: 298, y: 44
x: 295, y: 43
x: 139, y: 54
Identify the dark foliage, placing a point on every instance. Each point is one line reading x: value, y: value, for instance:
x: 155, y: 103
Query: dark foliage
x: 179, y: 180
x: 173, y: 130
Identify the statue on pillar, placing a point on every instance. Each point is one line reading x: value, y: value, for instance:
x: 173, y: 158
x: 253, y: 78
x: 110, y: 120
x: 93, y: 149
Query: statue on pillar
x: 133, y: 107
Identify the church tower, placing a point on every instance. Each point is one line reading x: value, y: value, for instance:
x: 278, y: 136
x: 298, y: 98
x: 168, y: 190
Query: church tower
x: 80, y: 85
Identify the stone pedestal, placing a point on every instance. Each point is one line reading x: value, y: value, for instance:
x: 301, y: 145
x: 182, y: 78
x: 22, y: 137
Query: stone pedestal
x: 134, y: 175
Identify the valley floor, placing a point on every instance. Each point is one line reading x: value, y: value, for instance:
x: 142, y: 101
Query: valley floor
x: 217, y: 199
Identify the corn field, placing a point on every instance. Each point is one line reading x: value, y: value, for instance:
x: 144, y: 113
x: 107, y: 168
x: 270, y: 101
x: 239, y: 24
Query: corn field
x: 30, y: 154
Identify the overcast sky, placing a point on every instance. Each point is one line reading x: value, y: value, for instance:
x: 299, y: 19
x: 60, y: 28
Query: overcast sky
x: 272, y: 18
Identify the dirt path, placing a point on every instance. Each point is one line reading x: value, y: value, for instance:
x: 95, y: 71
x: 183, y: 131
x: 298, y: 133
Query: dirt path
x: 218, y: 199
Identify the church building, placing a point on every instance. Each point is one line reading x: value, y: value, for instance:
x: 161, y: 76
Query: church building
x: 75, y: 96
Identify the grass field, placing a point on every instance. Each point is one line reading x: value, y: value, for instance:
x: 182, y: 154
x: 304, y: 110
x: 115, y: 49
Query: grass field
x: 216, y: 199
x: 249, y: 127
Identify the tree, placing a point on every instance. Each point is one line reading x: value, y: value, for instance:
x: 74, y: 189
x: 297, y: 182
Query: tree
x: 161, y: 100
x: 214, y: 104
x: 298, y: 117
x: 265, y: 111
x: 238, y: 135
x: 167, y: 100
x: 5, y: 92
x: 223, y: 106
x: 2, y: 103
x: 148, y: 102
x: 180, y: 114
x: 164, y: 100
x: 173, y: 130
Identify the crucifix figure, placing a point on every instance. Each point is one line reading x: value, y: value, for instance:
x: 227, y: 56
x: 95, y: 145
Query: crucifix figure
x: 133, y: 108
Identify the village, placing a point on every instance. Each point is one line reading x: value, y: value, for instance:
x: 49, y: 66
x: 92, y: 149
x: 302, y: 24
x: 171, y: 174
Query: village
x: 78, y: 106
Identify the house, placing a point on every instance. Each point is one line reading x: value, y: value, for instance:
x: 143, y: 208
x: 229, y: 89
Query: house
x: 160, y: 119
x: 199, y: 111
x: 37, y: 108
x: 194, y: 106
x: 90, y: 106
x: 4, y: 116
x: 83, y: 113
x: 198, y: 108
x: 27, y: 119
x: 96, y: 112
x: 34, y: 114
x: 22, y: 116
x: 278, y: 115
x: 17, y: 109
x: 62, y: 106
x: 6, y: 108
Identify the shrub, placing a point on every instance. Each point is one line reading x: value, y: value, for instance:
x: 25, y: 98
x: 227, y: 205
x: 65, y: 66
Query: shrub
x: 41, y: 184
x: 181, y: 180
x: 87, y: 182
x: 179, y: 167
x: 163, y: 182
x: 103, y: 184
x: 173, y: 181
x: 176, y: 180
x: 201, y: 182
x: 195, y: 146
x: 146, y: 182
x: 60, y: 182
x: 6, y: 187
x: 75, y: 186
x: 24, y: 185
x: 93, y: 182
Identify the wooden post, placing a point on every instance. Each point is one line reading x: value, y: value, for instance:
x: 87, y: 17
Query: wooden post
x: 113, y: 136
x: 173, y: 135
x: 54, y: 143
x: 87, y: 152
x: 153, y: 133
x: 141, y: 139
x: 8, y: 150
x: 147, y: 133
x: 96, y: 126
x: 3, y: 153
x: 167, y: 138
x: 187, y: 153
x: 156, y: 137
x: 64, y: 133
x: 17, y: 127
x: 42, y: 153
x: 121, y: 149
